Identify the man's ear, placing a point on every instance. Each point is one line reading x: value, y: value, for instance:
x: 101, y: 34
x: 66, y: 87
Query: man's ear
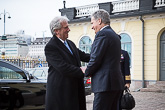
x: 100, y: 21
x: 56, y: 31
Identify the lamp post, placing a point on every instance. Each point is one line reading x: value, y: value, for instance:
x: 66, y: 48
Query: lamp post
x: 4, y: 18
x: 3, y: 53
x: 43, y: 36
x: 3, y: 49
x: 64, y: 2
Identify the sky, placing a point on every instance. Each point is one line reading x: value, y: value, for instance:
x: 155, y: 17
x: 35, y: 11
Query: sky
x: 34, y: 16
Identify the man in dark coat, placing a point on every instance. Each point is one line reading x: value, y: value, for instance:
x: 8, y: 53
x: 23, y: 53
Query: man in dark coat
x: 65, y: 85
x: 104, y: 65
x: 125, y: 69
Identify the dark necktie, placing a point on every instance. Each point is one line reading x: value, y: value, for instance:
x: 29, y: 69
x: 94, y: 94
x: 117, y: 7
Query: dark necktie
x: 66, y: 44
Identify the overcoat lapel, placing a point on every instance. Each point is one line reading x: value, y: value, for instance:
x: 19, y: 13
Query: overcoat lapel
x: 73, y: 48
x: 62, y: 46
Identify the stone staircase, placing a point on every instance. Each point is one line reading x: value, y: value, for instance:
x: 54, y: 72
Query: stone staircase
x: 159, y: 86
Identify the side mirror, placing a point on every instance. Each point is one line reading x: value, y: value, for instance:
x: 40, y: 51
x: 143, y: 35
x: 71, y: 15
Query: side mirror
x: 31, y: 76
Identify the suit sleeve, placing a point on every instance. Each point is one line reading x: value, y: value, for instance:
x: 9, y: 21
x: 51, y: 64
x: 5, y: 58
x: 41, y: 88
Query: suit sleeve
x: 97, y: 53
x: 54, y: 59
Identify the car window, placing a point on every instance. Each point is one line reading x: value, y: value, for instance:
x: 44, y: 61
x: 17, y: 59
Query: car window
x: 6, y: 73
x: 30, y: 71
x: 39, y: 73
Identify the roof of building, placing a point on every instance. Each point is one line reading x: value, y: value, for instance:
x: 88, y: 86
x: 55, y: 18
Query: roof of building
x: 41, y: 40
x: 116, y: 9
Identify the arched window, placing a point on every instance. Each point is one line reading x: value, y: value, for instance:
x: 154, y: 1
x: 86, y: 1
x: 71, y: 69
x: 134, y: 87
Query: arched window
x: 126, y: 44
x: 85, y: 45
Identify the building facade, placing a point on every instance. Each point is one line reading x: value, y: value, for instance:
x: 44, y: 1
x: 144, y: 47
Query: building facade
x: 141, y: 24
x: 14, y: 46
x: 36, y: 49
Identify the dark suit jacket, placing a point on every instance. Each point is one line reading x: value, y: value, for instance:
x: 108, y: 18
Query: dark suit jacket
x: 104, y: 64
x: 125, y: 69
x: 65, y: 85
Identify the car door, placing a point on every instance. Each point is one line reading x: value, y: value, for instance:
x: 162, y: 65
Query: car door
x: 17, y: 90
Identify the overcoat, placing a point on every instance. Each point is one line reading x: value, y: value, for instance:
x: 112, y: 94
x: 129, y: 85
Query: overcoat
x: 65, y: 84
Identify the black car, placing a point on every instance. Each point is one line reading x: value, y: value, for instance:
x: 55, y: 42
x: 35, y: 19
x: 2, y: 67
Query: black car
x: 19, y: 90
x: 41, y: 73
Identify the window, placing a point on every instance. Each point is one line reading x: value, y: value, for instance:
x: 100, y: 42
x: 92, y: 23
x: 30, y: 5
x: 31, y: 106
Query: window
x: 8, y: 71
x: 39, y: 73
x: 85, y: 45
x: 126, y: 44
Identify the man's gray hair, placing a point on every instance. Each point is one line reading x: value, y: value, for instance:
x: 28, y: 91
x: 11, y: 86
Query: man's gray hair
x: 56, y: 23
x: 103, y: 15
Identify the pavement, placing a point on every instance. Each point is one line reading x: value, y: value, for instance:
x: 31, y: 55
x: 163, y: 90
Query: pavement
x: 144, y: 100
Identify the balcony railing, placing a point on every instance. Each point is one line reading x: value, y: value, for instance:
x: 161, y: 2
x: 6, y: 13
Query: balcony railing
x: 86, y: 10
x: 119, y: 6
x: 127, y: 5
x: 160, y: 3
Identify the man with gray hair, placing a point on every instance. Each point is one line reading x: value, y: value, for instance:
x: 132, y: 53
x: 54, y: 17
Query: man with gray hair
x: 104, y: 65
x: 65, y: 84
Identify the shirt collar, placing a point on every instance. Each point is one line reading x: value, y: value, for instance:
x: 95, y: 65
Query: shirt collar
x: 104, y: 27
x: 61, y: 40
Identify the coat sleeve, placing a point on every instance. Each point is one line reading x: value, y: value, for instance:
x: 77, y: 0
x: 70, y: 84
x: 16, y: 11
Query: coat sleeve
x: 85, y: 57
x: 82, y: 56
x: 127, y: 68
x: 97, y: 52
x: 55, y: 60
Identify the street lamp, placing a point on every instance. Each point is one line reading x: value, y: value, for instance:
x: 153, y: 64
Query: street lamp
x: 64, y: 2
x: 4, y: 37
x: 43, y: 36
x: 3, y: 53
x: 4, y: 18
